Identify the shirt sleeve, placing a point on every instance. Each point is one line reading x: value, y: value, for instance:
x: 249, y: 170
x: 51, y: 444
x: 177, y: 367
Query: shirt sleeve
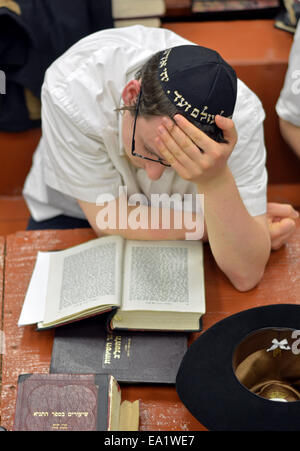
x: 247, y: 161
x: 288, y: 104
x: 75, y: 163
x: 79, y: 94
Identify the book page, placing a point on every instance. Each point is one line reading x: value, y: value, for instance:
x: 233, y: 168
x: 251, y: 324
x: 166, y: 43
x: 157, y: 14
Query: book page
x: 84, y: 277
x: 35, y: 299
x: 164, y: 276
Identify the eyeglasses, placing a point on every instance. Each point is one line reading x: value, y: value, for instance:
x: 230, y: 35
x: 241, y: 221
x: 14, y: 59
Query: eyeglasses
x: 158, y: 160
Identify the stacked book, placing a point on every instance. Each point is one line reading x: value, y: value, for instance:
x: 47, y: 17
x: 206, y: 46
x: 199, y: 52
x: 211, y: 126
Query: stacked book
x: 232, y: 5
x: 132, y: 12
x: 73, y: 402
x: 125, y: 308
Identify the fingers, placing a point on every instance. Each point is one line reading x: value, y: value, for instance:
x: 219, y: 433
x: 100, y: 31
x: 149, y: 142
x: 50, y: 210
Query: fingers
x: 179, y: 161
x: 178, y: 142
x: 194, y: 155
x: 228, y: 128
x: 281, y: 210
x: 281, y: 231
x: 195, y: 135
x: 178, y: 148
x: 182, y: 138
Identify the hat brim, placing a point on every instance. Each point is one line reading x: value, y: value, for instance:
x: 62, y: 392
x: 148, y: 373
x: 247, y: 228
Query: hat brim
x: 208, y: 387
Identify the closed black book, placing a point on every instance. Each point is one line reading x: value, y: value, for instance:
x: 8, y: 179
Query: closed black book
x: 134, y: 357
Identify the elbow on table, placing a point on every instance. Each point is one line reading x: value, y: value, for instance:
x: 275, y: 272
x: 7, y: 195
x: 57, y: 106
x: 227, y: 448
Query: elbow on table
x: 248, y: 277
x: 247, y: 282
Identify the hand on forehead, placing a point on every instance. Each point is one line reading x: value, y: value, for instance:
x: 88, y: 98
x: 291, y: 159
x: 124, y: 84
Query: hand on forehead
x: 193, y: 154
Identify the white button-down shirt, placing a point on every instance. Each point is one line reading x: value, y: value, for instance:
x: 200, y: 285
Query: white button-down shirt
x: 81, y: 154
x: 288, y: 104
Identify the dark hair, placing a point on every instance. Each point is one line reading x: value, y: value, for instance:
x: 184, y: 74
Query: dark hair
x: 154, y: 102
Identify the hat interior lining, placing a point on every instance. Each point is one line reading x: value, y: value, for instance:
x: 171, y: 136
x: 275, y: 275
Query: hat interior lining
x: 264, y: 363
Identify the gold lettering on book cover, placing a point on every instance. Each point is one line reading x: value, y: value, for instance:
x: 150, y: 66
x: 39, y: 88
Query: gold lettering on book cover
x: 108, y: 349
x: 117, y: 348
x: 60, y: 427
x: 78, y: 414
x: 128, y: 347
x: 113, y: 348
x: 60, y: 414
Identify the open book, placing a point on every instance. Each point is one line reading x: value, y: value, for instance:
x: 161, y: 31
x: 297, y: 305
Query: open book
x: 154, y: 285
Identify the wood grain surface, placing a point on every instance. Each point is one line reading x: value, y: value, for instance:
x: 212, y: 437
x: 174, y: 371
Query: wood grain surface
x: 29, y: 351
x: 2, y: 341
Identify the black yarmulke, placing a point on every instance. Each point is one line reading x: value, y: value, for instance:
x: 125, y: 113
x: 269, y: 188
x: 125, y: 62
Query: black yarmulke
x: 198, y: 82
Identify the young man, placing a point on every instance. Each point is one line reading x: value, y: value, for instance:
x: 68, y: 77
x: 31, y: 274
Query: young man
x: 93, y: 143
x: 288, y: 105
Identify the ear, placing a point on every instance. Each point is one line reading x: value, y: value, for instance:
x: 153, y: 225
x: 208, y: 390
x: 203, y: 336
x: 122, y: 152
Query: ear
x: 131, y: 91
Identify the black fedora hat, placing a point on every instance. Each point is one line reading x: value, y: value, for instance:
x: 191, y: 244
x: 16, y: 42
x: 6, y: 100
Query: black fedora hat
x: 234, y: 375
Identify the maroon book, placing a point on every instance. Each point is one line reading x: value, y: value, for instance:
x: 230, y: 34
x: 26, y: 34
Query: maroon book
x: 67, y: 402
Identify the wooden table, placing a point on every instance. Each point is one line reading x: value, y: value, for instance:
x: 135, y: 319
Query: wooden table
x: 29, y: 351
x: 2, y: 250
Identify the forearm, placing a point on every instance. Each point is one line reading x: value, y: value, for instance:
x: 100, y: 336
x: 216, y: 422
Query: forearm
x: 149, y: 225
x: 291, y: 134
x: 143, y: 222
x: 239, y: 243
